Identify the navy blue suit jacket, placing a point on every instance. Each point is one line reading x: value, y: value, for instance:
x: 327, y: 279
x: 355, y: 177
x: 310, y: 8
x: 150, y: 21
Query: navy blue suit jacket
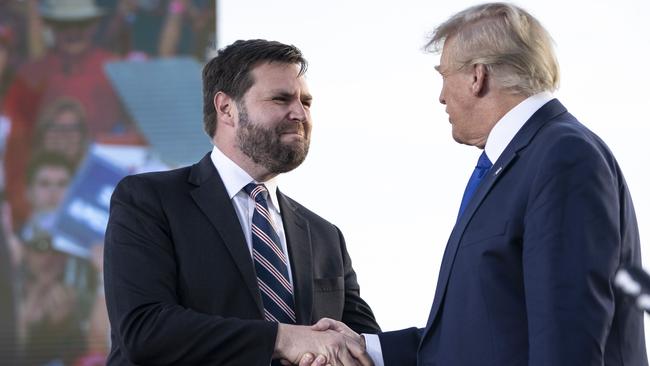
x: 526, y: 277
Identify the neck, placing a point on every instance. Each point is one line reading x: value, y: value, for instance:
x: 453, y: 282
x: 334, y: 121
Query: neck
x: 256, y: 171
x: 497, y: 107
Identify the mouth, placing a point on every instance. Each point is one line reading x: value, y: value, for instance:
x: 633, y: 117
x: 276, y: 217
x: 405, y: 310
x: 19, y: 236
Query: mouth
x: 293, y: 132
x: 297, y: 132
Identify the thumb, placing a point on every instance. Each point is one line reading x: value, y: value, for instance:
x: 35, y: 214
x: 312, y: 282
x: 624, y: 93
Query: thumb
x: 324, y: 324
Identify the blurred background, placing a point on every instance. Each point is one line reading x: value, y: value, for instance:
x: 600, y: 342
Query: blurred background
x: 93, y: 90
x: 89, y: 90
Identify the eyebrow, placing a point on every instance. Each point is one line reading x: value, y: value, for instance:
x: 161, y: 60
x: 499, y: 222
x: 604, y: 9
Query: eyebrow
x: 306, y: 98
x: 286, y: 94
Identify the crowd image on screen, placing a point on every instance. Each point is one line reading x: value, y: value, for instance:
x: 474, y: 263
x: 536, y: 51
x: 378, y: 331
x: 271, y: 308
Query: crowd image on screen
x: 57, y: 104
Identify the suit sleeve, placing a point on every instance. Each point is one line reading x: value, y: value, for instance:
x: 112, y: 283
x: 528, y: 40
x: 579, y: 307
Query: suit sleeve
x: 143, y: 304
x: 356, y: 312
x: 571, y: 250
x: 400, y: 347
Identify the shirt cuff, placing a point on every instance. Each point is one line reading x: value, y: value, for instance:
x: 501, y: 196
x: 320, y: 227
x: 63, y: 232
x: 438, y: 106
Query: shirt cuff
x: 373, y: 347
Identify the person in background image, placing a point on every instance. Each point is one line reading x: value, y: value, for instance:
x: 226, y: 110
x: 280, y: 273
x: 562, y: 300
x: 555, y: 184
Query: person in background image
x: 21, y: 18
x: 61, y: 294
x: 6, y: 75
x: 97, y: 337
x: 72, y: 67
x: 546, y: 221
x: 150, y: 28
x: 8, y: 256
x: 6, y: 68
x: 49, y: 318
x: 61, y: 128
x: 7, y: 296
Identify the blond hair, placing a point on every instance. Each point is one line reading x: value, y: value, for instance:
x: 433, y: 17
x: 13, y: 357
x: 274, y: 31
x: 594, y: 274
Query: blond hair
x: 511, y: 43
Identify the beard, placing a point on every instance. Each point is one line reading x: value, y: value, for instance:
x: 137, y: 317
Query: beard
x: 264, y: 146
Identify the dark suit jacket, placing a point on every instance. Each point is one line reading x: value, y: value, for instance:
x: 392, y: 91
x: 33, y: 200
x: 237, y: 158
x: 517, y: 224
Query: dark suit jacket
x: 180, y: 284
x: 526, y: 278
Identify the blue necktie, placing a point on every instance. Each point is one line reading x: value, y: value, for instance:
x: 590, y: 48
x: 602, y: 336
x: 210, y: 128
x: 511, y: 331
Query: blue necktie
x: 482, y: 167
x: 270, y: 261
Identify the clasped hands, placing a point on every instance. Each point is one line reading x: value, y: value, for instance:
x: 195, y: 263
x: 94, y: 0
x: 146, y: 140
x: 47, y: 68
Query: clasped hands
x: 327, y: 342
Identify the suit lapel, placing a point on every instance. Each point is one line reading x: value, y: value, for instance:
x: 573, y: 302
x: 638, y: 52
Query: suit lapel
x: 211, y: 197
x: 528, y: 131
x: 296, y: 229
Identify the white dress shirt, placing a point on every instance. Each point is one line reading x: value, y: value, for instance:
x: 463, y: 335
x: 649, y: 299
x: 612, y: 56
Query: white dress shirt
x: 508, y: 126
x: 498, y: 139
x: 235, y: 179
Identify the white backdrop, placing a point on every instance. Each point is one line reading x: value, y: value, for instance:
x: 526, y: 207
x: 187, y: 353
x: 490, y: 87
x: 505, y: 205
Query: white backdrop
x: 383, y: 165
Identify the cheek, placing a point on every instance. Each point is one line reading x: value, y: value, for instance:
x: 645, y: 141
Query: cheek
x: 40, y: 195
x: 308, y: 126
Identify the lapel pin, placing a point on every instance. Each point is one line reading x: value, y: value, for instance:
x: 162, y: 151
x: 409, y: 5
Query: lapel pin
x: 498, y: 171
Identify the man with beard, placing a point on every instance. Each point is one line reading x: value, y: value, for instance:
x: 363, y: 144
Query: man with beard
x: 212, y: 264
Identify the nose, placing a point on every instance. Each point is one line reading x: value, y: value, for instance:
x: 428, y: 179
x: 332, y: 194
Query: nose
x: 441, y: 98
x: 298, y: 112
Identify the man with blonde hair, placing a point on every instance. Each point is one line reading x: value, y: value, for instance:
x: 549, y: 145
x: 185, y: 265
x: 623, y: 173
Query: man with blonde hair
x: 545, y: 221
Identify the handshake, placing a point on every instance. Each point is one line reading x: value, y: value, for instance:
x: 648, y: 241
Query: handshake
x: 327, y: 342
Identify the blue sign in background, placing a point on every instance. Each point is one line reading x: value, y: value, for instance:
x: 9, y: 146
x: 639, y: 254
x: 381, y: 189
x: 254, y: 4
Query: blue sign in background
x: 81, y: 219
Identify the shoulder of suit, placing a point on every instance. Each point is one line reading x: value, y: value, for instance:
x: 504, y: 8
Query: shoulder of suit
x: 566, y: 141
x: 567, y: 131
x: 160, y: 179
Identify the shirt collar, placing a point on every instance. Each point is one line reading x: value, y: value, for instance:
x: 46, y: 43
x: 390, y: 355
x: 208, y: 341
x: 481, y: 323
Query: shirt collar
x: 235, y: 178
x: 508, y: 126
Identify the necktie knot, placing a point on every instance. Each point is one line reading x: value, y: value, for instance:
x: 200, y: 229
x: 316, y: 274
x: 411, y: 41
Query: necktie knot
x: 483, y: 161
x: 483, y: 164
x: 254, y: 190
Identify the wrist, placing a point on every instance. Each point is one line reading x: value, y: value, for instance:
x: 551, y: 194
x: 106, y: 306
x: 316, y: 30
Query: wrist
x: 281, y: 341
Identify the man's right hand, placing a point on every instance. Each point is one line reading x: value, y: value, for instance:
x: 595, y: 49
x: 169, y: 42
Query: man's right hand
x: 334, y: 347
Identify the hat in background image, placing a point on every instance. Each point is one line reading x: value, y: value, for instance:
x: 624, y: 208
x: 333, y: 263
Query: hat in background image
x: 70, y: 10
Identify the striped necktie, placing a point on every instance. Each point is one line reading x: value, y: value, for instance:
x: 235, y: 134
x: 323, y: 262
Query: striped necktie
x: 482, y: 166
x: 270, y: 261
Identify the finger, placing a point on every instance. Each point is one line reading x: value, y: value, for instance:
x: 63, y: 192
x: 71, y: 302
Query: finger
x: 345, y: 359
x: 358, y: 351
x: 320, y: 361
x: 339, y: 327
x: 285, y: 362
x: 364, y: 359
x: 306, y: 359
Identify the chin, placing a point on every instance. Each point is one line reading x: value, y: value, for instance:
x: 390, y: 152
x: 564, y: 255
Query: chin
x: 456, y: 137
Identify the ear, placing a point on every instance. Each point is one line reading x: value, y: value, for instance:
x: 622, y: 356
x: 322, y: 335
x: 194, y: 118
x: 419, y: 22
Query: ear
x: 480, y: 79
x: 225, y: 107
